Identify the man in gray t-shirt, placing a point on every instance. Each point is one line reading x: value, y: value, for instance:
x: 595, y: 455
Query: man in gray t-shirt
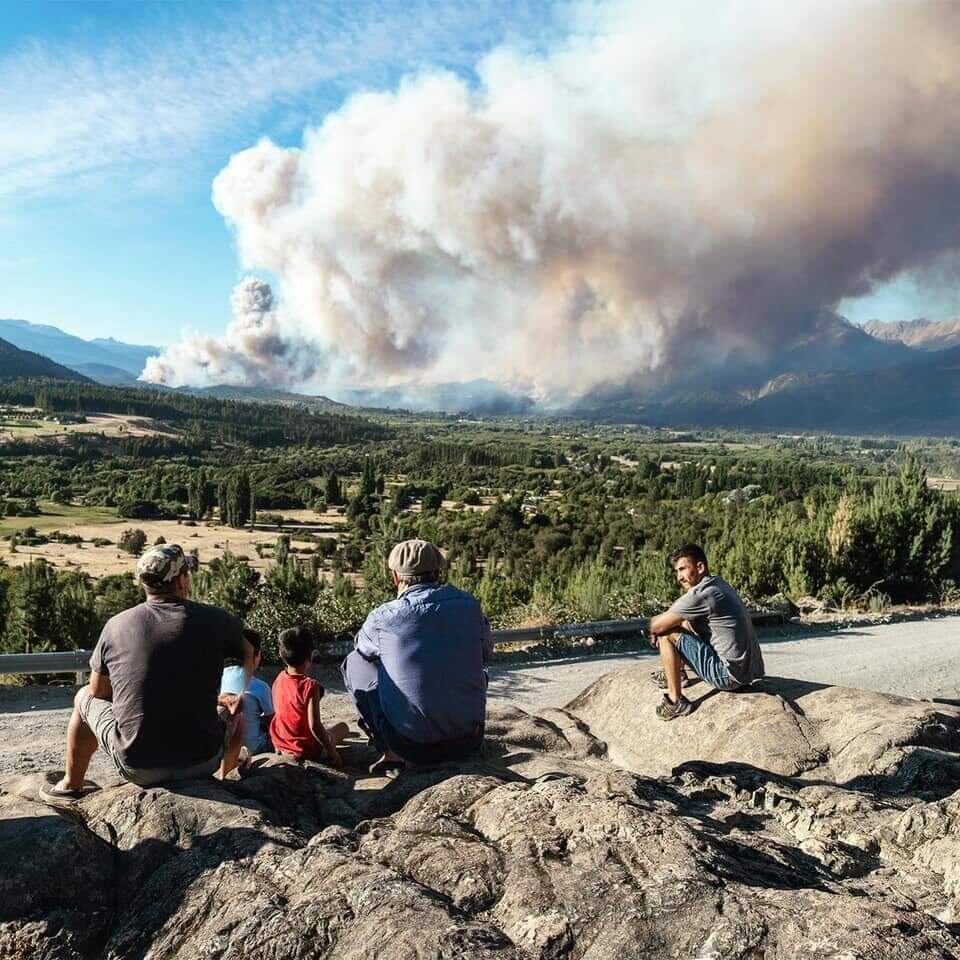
x: 708, y: 629
x: 152, y: 700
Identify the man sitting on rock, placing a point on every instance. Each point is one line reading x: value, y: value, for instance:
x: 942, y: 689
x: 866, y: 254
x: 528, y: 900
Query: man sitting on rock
x: 152, y: 701
x: 707, y: 629
x: 417, y: 674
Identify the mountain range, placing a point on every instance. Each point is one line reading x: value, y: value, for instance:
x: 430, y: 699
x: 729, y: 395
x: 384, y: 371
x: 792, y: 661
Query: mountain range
x: 104, y: 360
x: 881, y: 377
x: 919, y: 397
x: 15, y: 362
x: 922, y: 334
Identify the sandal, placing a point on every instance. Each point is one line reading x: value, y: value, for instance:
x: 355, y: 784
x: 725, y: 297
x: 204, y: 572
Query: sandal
x: 668, y: 710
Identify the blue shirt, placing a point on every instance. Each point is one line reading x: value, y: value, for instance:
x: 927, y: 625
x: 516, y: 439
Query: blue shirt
x: 257, y: 703
x: 430, y: 646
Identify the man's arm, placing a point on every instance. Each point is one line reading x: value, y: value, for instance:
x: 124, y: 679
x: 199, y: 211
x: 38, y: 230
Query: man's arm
x: 249, y: 663
x: 368, y: 638
x: 100, y: 686
x: 684, y: 609
x: 319, y: 731
x: 666, y: 622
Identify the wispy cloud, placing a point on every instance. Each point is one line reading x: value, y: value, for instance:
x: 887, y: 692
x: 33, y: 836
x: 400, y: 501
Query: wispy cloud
x: 133, y: 105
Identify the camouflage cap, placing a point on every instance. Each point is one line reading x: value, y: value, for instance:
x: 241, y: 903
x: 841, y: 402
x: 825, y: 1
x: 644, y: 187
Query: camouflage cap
x: 412, y: 558
x: 163, y: 563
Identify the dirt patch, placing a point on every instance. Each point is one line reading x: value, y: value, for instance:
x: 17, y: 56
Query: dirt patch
x: 108, y: 424
x: 211, y: 541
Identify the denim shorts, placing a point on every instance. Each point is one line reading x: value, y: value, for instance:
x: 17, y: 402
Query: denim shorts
x: 98, y: 716
x: 706, y: 663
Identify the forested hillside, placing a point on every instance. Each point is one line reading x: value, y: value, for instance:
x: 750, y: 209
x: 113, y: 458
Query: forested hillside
x: 15, y: 362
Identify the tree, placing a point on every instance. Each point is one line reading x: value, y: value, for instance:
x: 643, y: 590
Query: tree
x: 900, y: 538
x: 32, y: 603
x: 239, y: 499
x: 228, y: 582
x: 132, y: 541
x: 333, y: 494
x: 368, y: 479
x: 223, y: 500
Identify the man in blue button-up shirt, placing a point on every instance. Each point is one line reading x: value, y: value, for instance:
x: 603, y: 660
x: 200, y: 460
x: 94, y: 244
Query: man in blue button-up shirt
x: 417, y: 673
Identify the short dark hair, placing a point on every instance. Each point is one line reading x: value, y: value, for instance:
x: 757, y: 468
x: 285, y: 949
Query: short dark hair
x: 253, y: 638
x: 690, y: 550
x: 295, y: 645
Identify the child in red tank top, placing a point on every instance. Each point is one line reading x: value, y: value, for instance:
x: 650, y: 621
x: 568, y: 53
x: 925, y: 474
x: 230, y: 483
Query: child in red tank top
x: 296, y: 728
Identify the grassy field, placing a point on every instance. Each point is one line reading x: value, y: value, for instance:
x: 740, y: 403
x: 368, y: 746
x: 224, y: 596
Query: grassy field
x: 57, y: 516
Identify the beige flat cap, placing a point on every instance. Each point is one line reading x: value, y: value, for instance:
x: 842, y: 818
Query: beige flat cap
x: 412, y: 558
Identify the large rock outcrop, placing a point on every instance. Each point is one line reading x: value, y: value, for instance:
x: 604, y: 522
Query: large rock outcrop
x: 793, y: 728
x: 825, y: 845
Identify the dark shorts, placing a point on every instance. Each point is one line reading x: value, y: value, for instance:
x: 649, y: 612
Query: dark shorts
x: 98, y: 716
x: 705, y: 662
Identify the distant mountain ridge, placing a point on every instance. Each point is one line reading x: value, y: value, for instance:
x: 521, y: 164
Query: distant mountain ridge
x: 317, y: 403
x: 879, y: 378
x: 920, y: 334
x: 70, y: 351
x: 107, y: 374
x: 15, y: 362
x: 921, y: 397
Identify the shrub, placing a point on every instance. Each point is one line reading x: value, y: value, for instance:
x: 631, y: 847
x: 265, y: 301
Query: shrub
x: 132, y: 541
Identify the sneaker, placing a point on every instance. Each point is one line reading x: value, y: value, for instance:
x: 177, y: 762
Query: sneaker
x: 659, y: 678
x: 668, y: 710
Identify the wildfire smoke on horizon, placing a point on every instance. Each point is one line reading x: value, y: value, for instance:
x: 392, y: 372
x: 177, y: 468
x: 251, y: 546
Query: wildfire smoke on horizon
x: 627, y: 203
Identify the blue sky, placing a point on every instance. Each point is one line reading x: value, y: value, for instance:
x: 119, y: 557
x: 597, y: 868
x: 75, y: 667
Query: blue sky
x: 115, y: 118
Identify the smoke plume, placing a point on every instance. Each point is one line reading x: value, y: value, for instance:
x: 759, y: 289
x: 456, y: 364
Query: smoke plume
x: 636, y: 202
x: 252, y: 352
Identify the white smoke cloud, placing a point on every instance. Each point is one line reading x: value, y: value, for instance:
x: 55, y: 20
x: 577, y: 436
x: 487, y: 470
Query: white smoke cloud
x: 252, y: 352
x: 640, y: 200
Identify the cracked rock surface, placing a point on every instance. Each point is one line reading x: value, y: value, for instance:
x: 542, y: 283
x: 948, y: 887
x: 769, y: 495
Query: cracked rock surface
x: 792, y: 821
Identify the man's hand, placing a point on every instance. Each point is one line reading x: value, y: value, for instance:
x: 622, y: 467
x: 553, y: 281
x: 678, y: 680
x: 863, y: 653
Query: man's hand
x: 100, y: 686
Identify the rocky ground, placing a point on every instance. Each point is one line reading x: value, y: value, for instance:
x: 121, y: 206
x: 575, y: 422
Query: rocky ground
x: 797, y: 820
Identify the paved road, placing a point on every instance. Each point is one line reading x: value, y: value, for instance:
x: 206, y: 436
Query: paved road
x: 918, y: 659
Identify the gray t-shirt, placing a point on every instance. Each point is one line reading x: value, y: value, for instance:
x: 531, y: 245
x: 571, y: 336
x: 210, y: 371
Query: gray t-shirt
x: 164, y: 659
x: 718, y: 616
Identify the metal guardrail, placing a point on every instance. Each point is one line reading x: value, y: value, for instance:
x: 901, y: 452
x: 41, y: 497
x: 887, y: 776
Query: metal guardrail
x: 66, y: 661
x: 78, y: 661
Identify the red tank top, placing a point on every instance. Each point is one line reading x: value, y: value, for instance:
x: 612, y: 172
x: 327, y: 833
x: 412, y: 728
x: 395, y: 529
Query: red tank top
x: 290, y: 727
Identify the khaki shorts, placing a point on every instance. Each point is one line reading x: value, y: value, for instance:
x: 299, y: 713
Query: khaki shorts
x: 98, y: 716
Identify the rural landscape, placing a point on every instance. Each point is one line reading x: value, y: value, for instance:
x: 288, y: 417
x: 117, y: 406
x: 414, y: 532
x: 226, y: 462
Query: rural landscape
x: 292, y: 509
x: 479, y: 481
